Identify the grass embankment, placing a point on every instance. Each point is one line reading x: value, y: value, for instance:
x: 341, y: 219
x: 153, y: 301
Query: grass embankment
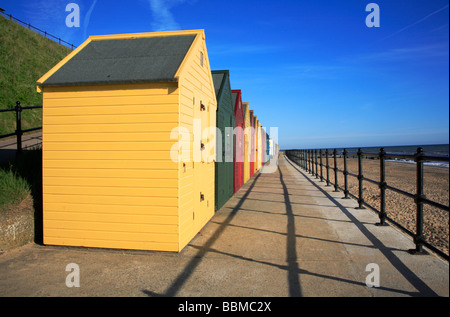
x: 24, y: 57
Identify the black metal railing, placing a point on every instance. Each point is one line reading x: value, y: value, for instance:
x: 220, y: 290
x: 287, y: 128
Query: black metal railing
x: 312, y: 162
x: 19, y: 132
x: 44, y: 33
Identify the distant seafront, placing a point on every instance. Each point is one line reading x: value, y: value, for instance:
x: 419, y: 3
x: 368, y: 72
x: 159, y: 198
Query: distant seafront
x: 430, y: 150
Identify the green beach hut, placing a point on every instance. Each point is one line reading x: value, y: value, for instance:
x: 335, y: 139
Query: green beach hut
x: 224, y: 144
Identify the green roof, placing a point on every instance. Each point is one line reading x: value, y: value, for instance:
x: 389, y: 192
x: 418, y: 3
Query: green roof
x: 218, y: 78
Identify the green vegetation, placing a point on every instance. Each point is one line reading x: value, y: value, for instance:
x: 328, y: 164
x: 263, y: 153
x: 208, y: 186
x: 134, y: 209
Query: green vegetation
x: 13, y: 189
x: 21, y: 177
x: 24, y: 57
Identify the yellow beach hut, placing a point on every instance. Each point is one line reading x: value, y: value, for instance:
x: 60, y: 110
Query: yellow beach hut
x: 258, y: 155
x: 255, y: 154
x: 247, y: 139
x: 122, y: 163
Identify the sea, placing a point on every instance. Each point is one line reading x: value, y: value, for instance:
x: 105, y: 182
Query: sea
x: 440, y: 150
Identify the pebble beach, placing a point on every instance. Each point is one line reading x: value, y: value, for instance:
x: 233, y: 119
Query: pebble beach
x: 399, y: 207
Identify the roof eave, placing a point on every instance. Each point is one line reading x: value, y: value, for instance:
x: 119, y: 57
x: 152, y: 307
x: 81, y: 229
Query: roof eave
x: 54, y: 69
x: 200, y: 34
x: 111, y: 82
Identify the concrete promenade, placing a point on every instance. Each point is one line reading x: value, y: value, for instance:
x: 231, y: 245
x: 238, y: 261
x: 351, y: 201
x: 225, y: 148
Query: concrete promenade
x: 283, y: 234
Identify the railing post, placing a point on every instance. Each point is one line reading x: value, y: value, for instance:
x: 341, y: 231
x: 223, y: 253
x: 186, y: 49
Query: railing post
x: 336, y: 187
x: 420, y: 196
x: 328, y: 168
x: 18, y: 109
x: 306, y: 160
x: 382, y: 215
x: 309, y: 161
x: 345, y: 175
x: 321, y: 165
x: 303, y: 160
x: 316, y: 161
x: 360, y: 181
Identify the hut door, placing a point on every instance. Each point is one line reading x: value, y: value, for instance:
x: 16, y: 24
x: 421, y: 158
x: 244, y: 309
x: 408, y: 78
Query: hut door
x: 220, y: 150
x: 228, y: 173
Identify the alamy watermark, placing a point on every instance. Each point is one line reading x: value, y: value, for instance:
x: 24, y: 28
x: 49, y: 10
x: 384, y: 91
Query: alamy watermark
x: 373, y: 18
x: 210, y: 144
x: 73, y: 18
x: 373, y: 278
x: 73, y: 278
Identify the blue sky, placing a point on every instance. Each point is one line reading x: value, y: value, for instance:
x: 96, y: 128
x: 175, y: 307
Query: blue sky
x: 311, y: 68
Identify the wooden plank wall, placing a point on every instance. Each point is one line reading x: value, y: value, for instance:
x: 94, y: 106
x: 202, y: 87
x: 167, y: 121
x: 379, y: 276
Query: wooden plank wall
x: 108, y: 180
x: 198, y: 178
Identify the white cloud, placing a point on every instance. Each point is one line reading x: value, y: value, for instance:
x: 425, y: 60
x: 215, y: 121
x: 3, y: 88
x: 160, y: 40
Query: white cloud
x: 87, y: 19
x: 163, y: 19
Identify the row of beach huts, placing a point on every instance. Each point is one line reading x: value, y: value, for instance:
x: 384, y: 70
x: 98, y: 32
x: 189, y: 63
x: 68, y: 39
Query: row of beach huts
x: 142, y: 142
